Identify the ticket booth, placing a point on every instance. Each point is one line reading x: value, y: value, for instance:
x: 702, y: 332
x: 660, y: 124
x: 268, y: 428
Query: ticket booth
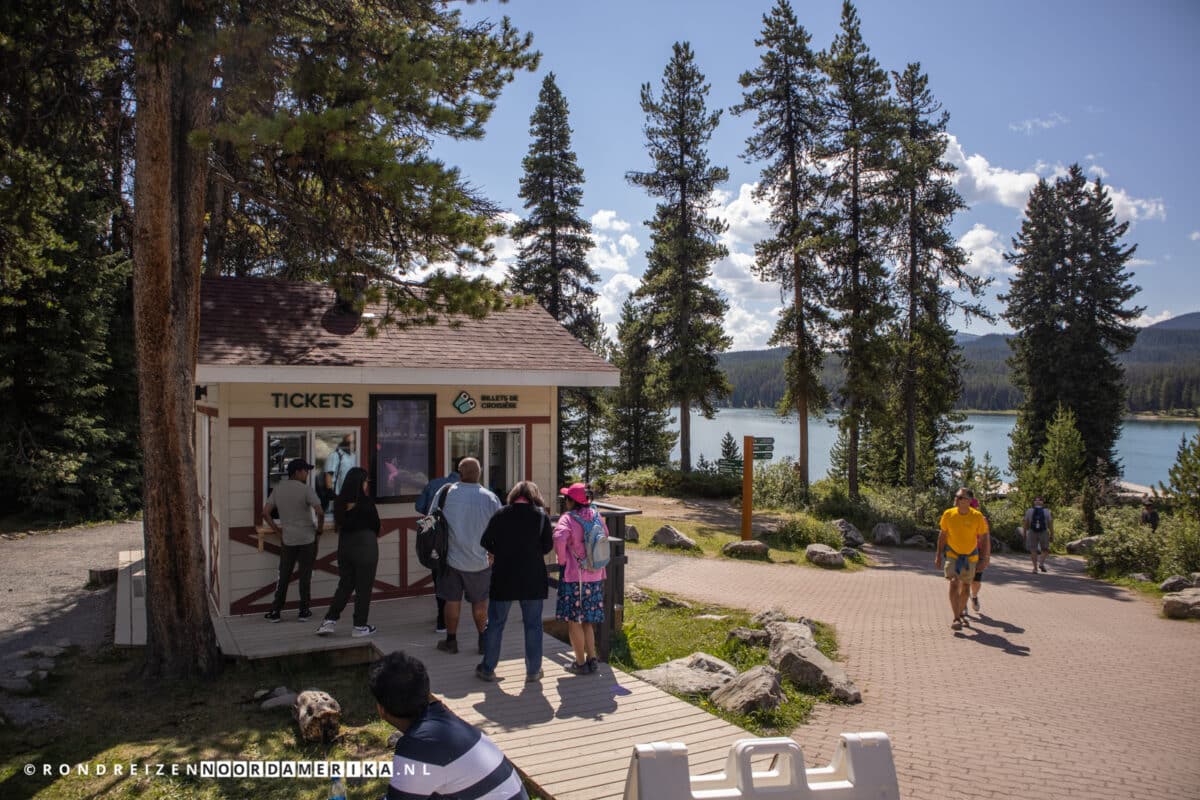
x: 286, y: 372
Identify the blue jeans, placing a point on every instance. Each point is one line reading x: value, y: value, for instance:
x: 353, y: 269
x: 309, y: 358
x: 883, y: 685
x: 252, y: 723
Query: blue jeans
x: 531, y: 618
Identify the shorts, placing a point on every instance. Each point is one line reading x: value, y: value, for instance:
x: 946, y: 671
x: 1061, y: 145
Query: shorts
x: 570, y: 609
x: 1037, y: 541
x: 454, y: 584
x: 966, y: 576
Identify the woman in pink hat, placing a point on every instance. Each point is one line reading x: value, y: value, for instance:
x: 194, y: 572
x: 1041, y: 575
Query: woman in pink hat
x: 580, y: 590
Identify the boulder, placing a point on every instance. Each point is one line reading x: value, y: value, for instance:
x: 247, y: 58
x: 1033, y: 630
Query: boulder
x: 1081, y: 547
x: 824, y: 556
x: 850, y: 554
x: 756, y: 689
x: 1139, y: 576
x: 885, y: 533
x: 764, y: 618
x: 634, y: 594
x: 1182, y: 605
x: 1176, y: 583
x: 286, y: 700
x: 807, y: 667
x: 318, y: 715
x: 791, y: 634
x: 750, y: 636
x: 917, y: 541
x: 850, y: 534
x: 698, y: 673
x: 631, y: 533
x: 666, y: 536
x: 747, y: 549
x: 713, y: 617
x: 671, y: 602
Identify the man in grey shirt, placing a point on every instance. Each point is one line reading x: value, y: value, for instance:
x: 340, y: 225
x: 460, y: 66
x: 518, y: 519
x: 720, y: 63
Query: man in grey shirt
x: 467, y: 508
x: 296, y: 503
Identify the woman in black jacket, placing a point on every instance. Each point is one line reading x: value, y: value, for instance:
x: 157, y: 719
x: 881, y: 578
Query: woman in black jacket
x: 357, y: 555
x: 517, y: 539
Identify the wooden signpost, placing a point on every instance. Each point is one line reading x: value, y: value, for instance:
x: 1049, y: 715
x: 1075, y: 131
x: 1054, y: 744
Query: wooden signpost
x: 755, y: 448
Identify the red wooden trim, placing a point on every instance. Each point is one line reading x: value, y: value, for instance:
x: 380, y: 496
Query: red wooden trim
x: 208, y: 411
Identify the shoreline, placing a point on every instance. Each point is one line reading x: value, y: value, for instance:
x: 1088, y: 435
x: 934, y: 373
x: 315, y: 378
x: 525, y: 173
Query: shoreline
x: 999, y: 413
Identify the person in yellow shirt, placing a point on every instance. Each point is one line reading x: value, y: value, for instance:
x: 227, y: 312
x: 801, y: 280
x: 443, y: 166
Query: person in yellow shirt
x: 958, y: 549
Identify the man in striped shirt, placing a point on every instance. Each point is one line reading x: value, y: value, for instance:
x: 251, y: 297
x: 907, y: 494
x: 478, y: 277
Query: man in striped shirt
x: 438, y: 755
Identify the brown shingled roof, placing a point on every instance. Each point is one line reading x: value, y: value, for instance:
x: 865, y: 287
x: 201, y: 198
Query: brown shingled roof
x: 265, y: 321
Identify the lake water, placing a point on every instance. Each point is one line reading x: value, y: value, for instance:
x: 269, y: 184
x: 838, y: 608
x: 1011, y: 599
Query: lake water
x: 1146, y: 448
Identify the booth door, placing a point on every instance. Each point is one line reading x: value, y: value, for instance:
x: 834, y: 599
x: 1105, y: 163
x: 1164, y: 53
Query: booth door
x: 500, y: 452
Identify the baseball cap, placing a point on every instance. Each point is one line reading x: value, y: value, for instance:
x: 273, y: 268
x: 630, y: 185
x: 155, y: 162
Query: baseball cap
x: 297, y: 464
x: 577, y: 492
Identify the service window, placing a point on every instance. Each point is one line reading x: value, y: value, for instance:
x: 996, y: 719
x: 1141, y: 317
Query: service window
x: 401, y: 450
x: 500, y: 452
x: 329, y: 449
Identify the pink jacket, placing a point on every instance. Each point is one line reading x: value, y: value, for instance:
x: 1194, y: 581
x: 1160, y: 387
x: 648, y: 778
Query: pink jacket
x: 568, y: 546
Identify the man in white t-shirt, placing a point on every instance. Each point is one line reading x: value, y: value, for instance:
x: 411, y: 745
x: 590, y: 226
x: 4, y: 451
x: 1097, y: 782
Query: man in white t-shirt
x: 339, y: 462
x: 296, y: 501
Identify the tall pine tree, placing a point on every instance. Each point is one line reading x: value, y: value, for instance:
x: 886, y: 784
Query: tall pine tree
x: 637, y: 418
x: 552, y: 263
x: 685, y: 314
x: 856, y: 147
x: 1067, y: 305
x: 784, y: 92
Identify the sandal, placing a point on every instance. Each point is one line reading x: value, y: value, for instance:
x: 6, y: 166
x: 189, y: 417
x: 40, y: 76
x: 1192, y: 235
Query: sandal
x: 957, y: 624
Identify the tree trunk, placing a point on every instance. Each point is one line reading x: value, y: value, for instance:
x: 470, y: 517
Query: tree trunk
x: 802, y: 387
x: 173, y: 96
x: 685, y: 434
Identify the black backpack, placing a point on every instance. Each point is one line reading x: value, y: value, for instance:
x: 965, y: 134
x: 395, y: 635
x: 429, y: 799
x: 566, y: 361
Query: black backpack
x: 1037, y: 523
x: 433, y: 534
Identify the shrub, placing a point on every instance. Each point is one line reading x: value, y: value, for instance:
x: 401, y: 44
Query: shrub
x: 800, y: 531
x: 1181, y: 546
x: 670, y: 483
x: 1125, y: 547
x: 776, y: 486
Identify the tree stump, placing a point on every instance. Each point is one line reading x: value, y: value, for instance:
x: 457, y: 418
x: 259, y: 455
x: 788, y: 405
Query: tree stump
x: 318, y: 715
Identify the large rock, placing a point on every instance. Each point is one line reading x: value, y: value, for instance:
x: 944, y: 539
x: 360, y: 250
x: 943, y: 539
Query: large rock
x: 850, y: 534
x: 698, y: 673
x: 807, y: 667
x: 666, y: 536
x: 917, y: 540
x: 750, y: 636
x: 631, y: 533
x: 850, y: 554
x: 747, y: 549
x: 765, y: 618
x: 791, y: 634
x: 1176, y: 583
x: 885, y: 533
x: 671, y: 602
x: 1081, y: 547
x: 1141, y: 577
x: 756, y: 689
x: 634, y: 594
x: 318, y: 715
x: 1182, y: 605
x: 824, y: 556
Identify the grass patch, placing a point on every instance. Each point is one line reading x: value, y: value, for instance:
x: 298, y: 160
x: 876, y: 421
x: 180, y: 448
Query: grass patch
x: 654, y: 634
x: 114, y: 717
x: 712, y: 538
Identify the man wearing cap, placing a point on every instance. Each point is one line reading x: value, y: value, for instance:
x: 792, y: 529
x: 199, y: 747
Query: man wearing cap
x: 958, y: 546
x: 296, y: 502
x: 1038, y: 528
x: 467, y: 508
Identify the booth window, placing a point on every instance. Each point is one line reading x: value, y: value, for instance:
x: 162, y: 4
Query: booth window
x: 401, y: 451
x: 318, y: 446
x: 499, y: 450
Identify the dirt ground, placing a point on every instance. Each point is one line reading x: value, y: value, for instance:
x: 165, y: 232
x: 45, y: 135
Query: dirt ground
x: 718, y: 513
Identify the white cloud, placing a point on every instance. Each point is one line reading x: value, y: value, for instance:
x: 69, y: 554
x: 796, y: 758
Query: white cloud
x: 747, y: 217
x: 628, y: 244
x: 1028, y: 126
x: 1195, y: 236
x: 985, y: 252
x: 612, y: 294
x: 1139, y: 262
x: 750, y: 330
x: 1097, y: 170
x: 978, y: 181
x: 1135, y: 209
x: 1144, y: 320
x: 606, y: 220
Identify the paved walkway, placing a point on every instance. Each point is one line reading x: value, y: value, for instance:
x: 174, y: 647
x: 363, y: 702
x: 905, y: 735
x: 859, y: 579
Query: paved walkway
x: 1065, y: 687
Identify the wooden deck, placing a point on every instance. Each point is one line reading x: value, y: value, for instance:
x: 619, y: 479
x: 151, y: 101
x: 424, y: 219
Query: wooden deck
x: 544, y: 728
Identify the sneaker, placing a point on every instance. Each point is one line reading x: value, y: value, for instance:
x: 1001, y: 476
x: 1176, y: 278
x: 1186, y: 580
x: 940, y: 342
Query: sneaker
x: 534, y: 678
x: 591, y: 664
x: 577, y: 669
x: 975, y: 603
x: 484, y: 675
x: 304, y: 614
x: 273, y: 616
x: 448, y: 645
x: 439, y: 628
x: 327, y: 627
x: 1042, y: 567
x: 363, y: 630
x: 956, y: 625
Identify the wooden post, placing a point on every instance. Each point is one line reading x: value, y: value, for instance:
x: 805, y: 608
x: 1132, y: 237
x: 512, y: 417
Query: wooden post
x: 747, y: 484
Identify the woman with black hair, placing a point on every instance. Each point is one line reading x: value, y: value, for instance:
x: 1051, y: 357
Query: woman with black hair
x: 358, y: 553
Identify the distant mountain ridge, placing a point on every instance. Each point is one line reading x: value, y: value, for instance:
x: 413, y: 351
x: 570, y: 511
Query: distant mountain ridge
x: 1162, y: 370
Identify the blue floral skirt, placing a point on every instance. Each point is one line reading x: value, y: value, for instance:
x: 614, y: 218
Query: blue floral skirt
x: 570, y: 609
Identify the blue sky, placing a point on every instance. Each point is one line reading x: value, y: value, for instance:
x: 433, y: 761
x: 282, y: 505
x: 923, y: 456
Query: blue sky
x: 1031, y: 87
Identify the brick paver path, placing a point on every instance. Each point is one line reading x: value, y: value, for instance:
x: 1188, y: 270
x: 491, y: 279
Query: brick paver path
x: 1064, y: 687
